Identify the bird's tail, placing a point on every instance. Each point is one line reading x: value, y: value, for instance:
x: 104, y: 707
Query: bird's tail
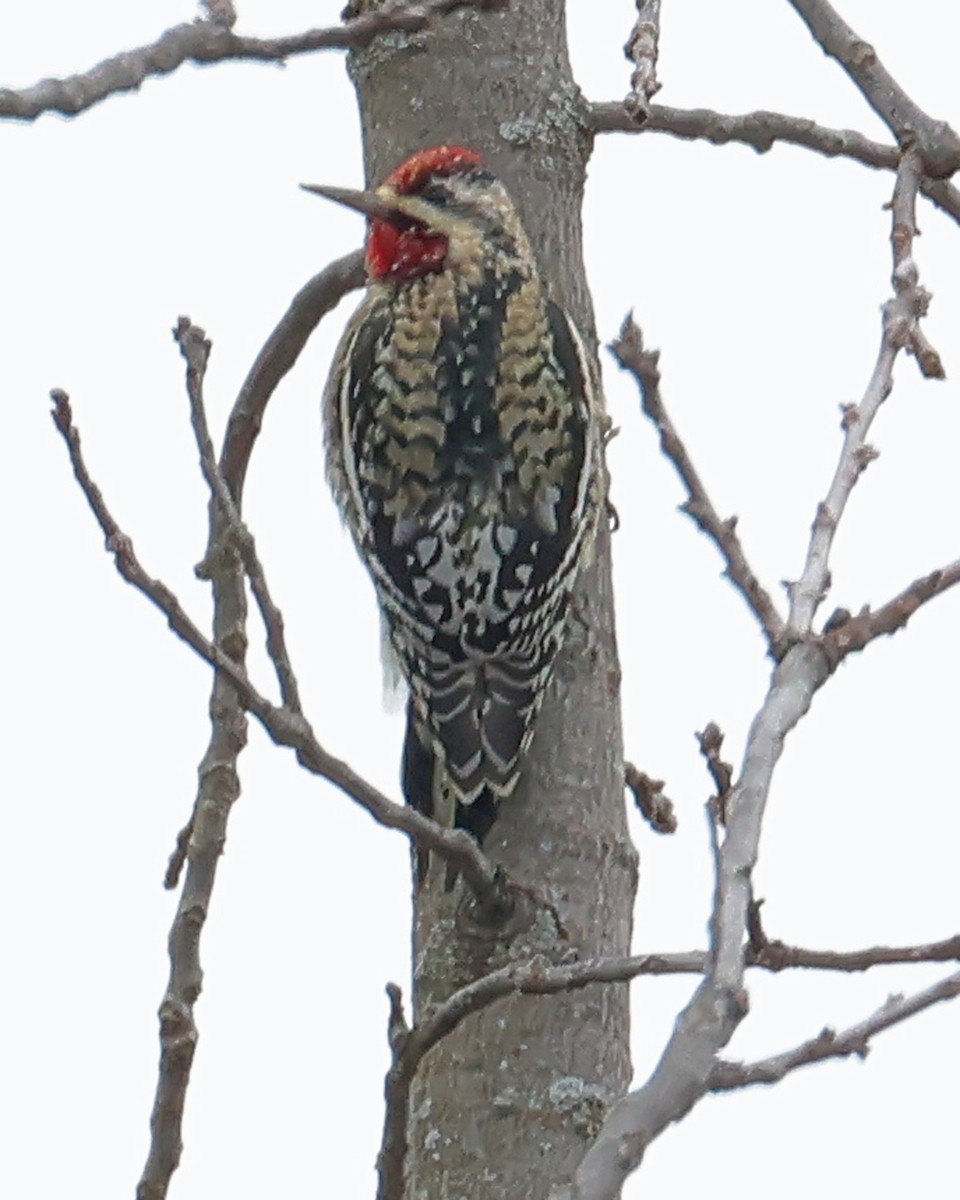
x: 428, y: 788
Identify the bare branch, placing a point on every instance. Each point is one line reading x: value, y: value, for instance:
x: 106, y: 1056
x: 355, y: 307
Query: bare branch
x: 200, y: 845
x: 533, y: 977
x: 126, y: 562
x: 937, y: 144
x: 213, y: 40
x: 828, y: 1044
x: 910, y: 300
x: 710, y: 742
x: 630, y: 353
x: 201, y: 840
x: 901, y: 330
x: 718, y: 1005
x: 642, y: 48
x: 845, y: 634
x: 316, y: 298
x: 656, y: 808
x: 281, y: 350
x: 763, y: 130
x: 685, y: 1071
x: 538, y: 976
x: 943, y: 194
x: 195, y: 348
x: 284, y: 727
x: 778, y: 956
x: 396, y: 1091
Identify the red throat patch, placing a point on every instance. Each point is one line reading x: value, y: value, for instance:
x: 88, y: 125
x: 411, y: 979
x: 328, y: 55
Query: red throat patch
x: 399, y: 253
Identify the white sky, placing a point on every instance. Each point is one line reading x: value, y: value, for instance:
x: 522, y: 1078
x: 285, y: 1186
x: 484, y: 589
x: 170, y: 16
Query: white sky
x: 760, y: 278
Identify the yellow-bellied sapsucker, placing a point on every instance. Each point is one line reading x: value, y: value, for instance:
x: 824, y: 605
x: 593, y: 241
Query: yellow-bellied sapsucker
x: 463, y: 448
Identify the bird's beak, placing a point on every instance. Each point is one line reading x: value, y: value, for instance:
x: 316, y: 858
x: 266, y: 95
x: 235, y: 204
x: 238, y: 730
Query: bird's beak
x: 366, y: 202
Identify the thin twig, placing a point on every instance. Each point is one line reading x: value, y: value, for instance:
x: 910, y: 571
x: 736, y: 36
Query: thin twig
x: 937, y: 144
x: 911, y: 301
x: 195, y: 348
x: 685, y: 1071
x: 900, y: 330
x: 762, y: 130
x: 828, y: 1044
x: 200, y: 843
x: 630, y: 353
x: 281, y: 350
x: 656, y: 808
x: 284, y: 727
x: 213, y: 40
x: 710, y: 741
x: 719, y: 1004
x: 534, y: 977
x: 774, y: 955
x: 642, y: 49
x: 850, y: 634
x: 538, y: 977
x: 396, y: 1094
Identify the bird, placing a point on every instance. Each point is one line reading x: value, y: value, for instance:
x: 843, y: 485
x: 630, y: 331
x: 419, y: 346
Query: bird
x: 463, y: 432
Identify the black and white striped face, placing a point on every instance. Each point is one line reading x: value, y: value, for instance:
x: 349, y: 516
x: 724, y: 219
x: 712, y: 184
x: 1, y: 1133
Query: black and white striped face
x: 464, y: 222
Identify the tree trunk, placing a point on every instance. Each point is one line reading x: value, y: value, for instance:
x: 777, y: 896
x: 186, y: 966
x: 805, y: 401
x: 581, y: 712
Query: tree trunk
x: 505, y: 1106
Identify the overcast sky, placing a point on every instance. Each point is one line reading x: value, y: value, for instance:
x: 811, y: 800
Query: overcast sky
x: 761, y: 279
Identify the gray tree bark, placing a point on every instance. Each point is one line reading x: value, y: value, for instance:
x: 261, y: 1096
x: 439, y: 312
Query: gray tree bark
x: 506, y: 1105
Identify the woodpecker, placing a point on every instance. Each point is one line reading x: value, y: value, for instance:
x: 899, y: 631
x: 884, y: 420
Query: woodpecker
x: 463, y: 439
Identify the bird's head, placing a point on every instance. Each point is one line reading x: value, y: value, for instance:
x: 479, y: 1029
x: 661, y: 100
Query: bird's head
x: 441, y: 208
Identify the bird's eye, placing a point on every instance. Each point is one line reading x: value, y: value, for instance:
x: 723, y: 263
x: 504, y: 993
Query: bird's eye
x: 436, y: 194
